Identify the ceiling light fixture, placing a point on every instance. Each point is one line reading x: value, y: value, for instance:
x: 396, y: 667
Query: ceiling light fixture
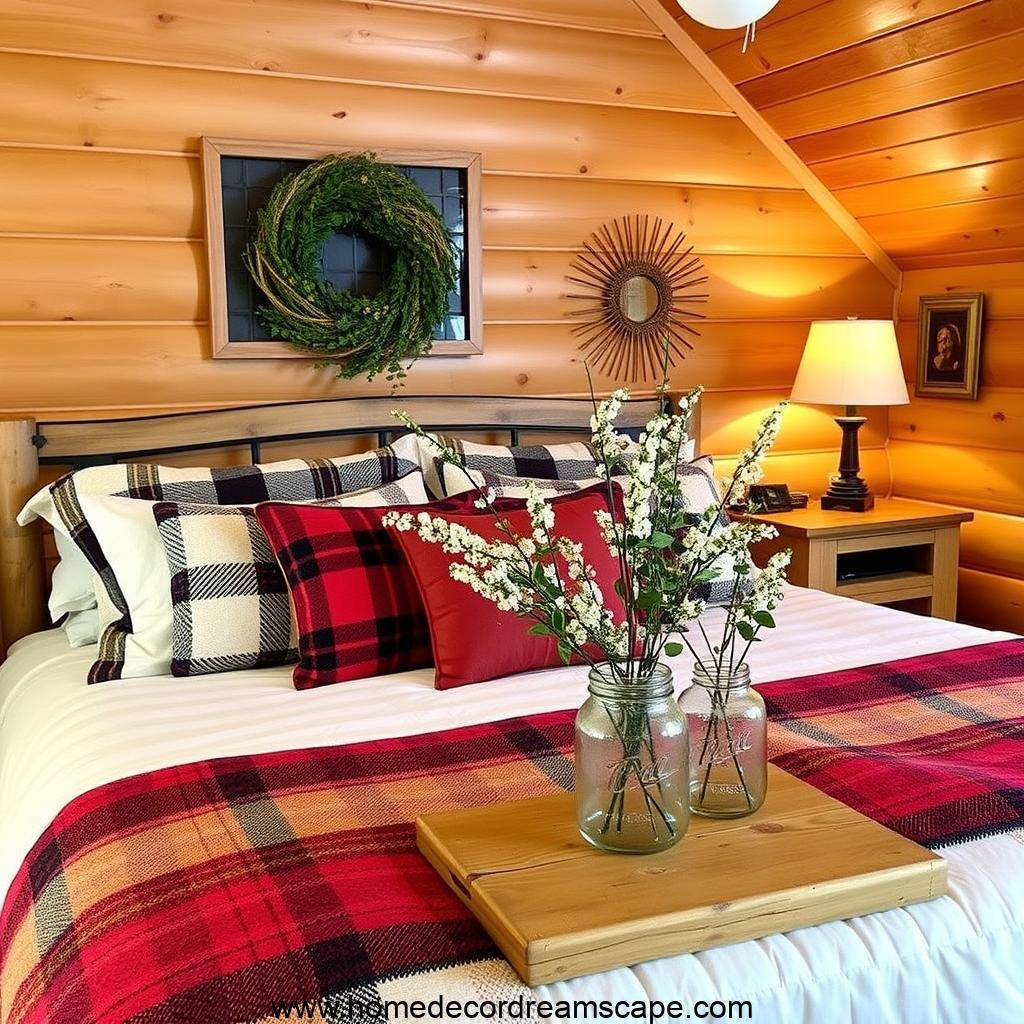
x: 729, y: 14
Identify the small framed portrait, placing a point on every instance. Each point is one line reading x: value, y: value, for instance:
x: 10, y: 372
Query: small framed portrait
x: 949, y: 346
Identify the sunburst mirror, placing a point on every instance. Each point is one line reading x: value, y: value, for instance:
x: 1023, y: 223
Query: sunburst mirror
x: 641, y: 283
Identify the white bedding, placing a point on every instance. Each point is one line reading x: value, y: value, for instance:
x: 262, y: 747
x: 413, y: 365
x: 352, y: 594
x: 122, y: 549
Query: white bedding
x: 957, y: 959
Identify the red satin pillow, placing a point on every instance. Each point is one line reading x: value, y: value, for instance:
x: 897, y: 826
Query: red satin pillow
x: 472, y: 639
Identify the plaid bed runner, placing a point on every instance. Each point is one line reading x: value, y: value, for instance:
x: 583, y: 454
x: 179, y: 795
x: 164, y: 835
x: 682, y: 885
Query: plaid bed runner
x: 209, y: 893
x: 931, y: 747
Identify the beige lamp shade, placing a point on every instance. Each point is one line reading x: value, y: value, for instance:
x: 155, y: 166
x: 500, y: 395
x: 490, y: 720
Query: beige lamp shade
x: 851, y: 362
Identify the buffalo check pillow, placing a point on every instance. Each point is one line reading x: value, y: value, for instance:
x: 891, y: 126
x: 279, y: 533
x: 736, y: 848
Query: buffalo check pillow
x: 573, y: 460
x: 231, y: 608
x: 228, y: 598
x: 61, y: 505
x: 498, y: 485
x: 555, y: 468
x: 699, y: 492
x: 202, y: 586
x: 356, y: 603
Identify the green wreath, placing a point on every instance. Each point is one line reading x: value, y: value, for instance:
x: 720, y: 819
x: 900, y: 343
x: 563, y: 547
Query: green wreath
x: 359, y: 335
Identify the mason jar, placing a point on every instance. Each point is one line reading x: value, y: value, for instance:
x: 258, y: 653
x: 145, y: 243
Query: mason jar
x: 631, y: 773
x: 728, y: 729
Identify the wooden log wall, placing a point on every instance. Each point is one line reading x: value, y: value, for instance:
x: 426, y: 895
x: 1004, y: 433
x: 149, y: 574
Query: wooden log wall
x: 971, y: 454
x: 582, y: 112
x: 910, y: 111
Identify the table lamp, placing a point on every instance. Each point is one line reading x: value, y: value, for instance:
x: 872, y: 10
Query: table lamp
x: 850, y: 363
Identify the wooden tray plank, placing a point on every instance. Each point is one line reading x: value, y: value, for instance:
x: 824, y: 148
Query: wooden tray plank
x: 558, y: 908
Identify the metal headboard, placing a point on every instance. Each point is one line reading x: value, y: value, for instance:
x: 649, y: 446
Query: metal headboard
x: 99, y: 442
x: 25, y: 444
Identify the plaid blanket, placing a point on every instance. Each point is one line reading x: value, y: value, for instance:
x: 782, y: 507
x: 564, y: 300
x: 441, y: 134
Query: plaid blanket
x: 931, y: 747
x: 213, y: 893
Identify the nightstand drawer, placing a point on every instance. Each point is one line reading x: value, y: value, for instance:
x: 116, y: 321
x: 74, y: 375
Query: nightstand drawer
x: 881, y: 569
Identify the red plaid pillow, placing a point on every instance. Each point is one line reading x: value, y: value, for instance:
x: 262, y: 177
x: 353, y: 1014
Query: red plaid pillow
x: 472, y: 639
x: 356, y: 604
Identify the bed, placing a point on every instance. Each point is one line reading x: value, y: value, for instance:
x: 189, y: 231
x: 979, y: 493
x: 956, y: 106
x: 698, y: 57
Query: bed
x: 954, y: 959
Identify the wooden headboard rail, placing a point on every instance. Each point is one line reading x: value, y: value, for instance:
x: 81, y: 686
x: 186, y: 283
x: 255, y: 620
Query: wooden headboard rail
x: 25, y: 444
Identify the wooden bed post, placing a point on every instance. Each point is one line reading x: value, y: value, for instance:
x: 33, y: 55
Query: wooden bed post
x: 21, y: 549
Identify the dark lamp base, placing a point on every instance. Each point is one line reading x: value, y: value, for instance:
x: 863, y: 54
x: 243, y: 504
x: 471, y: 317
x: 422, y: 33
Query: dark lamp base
x: 863, y: 503
x: 848, y: 492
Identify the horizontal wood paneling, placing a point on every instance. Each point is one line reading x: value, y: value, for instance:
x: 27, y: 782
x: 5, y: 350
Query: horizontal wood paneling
x: 802, y: 32
x: 138, y: 194
x: 368, y: 43
x: 959, y: 185
x: 909, y: 110
x: 943, y: 121
x: 563, y: 212
x: 729, y: 421
x: 54, y: 279
x: 532, y: 285
x: 102, y: 279
x: 990, y: 600
x: 994, y: 543
x: 598, y: 15
x: 112, y: 104
x: 973, y: 257
x: 107, y: 365
x: 984, y: 478
x: 988, y: 65
x: 890, y: 166
x: 948, y: 230
x: 996, y: 420
x: 1003, y: 285
x: 968, y: 23
x: 89, y: 192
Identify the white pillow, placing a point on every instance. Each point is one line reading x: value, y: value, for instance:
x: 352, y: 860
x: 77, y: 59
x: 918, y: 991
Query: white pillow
x: 82, y: 627
x: 127, y: 532
x: 72, y: 588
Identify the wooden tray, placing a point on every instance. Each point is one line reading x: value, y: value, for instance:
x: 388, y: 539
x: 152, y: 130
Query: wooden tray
x: 557, y: 908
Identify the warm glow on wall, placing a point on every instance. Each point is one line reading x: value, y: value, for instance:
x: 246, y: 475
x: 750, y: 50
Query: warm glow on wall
x: 785, y: 277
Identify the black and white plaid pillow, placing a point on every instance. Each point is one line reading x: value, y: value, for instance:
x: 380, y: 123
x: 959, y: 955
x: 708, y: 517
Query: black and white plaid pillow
x: 290, y: 480
x: 230, y: 603
x: 573, y: 460
x: 457, y: 482
x: 698, y: 492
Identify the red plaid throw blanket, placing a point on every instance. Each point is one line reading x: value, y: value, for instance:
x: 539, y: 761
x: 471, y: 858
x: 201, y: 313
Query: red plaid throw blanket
x: 211, y: 893
x: 932, y: 747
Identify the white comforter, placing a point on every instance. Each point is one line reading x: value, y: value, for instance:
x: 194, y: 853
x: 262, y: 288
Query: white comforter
x: 957, y: 959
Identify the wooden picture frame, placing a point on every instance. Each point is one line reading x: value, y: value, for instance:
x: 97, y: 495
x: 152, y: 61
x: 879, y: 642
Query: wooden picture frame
x: 949, y: 345
x: 214, y: 149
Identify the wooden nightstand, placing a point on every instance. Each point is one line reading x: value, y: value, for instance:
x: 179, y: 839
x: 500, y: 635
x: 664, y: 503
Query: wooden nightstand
x: 901, y: 553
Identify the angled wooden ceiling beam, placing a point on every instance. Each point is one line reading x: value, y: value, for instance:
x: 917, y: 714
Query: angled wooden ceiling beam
x: 777, y: 146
